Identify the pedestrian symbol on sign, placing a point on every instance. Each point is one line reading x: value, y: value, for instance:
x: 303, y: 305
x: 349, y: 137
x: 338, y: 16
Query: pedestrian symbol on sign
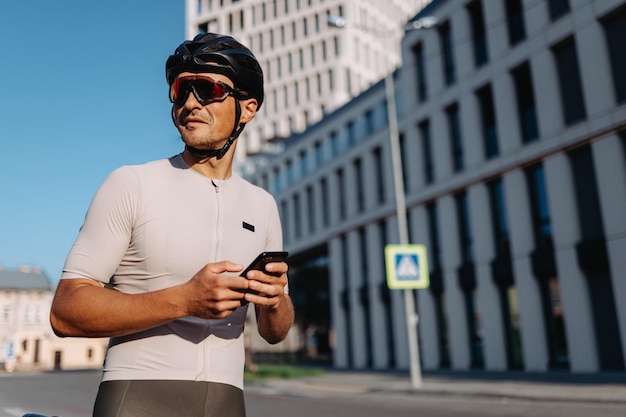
x: 407, y: 266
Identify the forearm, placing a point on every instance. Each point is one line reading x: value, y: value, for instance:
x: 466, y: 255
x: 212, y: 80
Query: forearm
x: 81, y: 309
x: 274, y: 322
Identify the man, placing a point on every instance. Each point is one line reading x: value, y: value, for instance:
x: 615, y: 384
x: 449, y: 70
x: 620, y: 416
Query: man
x: 171, y: 238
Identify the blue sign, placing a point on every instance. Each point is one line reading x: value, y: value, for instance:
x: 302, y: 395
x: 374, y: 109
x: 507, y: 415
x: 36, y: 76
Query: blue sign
x: 407, y: 267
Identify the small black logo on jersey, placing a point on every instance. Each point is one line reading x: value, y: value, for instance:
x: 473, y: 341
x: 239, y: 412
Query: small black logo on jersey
x: 248, y: 226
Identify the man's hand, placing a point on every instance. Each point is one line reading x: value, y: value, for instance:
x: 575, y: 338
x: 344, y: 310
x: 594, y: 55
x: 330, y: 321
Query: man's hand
x: 212, y: 293
x: 274, y: 310
x: 268, y: 287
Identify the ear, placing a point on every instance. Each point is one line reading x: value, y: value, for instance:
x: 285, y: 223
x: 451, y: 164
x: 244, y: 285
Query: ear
x: 248, y: 109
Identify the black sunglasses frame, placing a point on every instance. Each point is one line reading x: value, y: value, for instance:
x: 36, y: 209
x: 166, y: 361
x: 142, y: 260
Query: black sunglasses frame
x: 191, y: 84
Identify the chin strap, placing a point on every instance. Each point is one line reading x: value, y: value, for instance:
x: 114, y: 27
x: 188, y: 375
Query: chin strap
x: 219, y: 153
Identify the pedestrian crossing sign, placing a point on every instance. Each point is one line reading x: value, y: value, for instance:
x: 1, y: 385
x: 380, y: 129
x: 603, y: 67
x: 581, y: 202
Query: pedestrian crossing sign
x: 407, y: 267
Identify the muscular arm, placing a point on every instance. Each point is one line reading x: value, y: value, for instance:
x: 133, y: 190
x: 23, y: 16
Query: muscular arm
x: 83, y: 308
x: 274, y: 309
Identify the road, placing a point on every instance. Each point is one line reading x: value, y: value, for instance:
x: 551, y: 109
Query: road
x: 71, y: 394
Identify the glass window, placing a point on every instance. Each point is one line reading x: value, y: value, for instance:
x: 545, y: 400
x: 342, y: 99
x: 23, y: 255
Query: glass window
x: 498, y: 217
x: 540, y: 212
x: 427, y: 152
x: 557, y: 8
x: 479, y: 33
x: 358, y: 178
x: 526, y: 108
x: 488, y: 121
x: 325, y: 202
x: 420, y: 72
x: 456, y: 143
x: 615, y: 32
x: 304, y: 163
x: 310, y: 201
x: 515, y: 21
x: 465, y: 231
x: 335, y: 144
x: 378, y: 174
x: 352, y: 133
x: 586, y: 188
x: 297, y: 216
x: 341, y: 190
x: 572, y: 99
x: 319, y: 153
x: 447, y: 55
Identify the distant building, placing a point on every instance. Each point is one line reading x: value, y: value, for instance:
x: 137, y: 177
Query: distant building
x: 310, y: 67
x: 26, y: 338
x: 512, y: 121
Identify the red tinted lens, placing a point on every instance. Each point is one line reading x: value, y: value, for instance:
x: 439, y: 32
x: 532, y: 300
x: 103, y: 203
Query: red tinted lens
x: 204, y: 89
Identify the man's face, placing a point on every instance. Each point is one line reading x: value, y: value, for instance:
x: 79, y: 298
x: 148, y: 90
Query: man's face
x: 205, y: 126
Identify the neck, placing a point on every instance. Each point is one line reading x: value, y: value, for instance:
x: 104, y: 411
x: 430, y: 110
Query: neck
x: 218, y: 169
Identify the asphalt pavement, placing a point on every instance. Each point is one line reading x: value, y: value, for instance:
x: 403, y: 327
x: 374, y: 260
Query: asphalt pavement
x: 604, y: 387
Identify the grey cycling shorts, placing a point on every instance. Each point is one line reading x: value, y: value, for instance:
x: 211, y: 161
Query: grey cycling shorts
x: 165, y: 398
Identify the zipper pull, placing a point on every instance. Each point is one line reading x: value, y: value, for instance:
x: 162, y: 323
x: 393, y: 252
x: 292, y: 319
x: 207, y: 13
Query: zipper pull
x: 216, y: 185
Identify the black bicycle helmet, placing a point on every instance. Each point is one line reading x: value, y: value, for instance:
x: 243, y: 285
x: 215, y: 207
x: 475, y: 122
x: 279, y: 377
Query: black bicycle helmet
x: 219, y: 54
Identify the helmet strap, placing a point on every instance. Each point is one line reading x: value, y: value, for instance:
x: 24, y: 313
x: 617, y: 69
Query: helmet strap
x: 219, y: 153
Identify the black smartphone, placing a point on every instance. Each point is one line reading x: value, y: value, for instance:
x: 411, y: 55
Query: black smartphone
x: 263, y: 259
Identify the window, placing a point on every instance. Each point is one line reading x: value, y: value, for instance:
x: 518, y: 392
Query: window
x: 379, y: 175
x: 405, y: 171
x: 319, y: 153
x: 420, y: 72
x: 297, y: 216
x: 557, y: 8
x: 310, y: 199
x: 526, y: 109
x: 498, y: 217
x: 479, y: 35
x: 465, y: 232
x: 352, y: 133
x: 276, y: 181
x: 515, y: 21
x: 427, y: 152
x: 570, y: 84
x: 587, y: 198
x: 284, y: 209
x: 488, y: 122
x: 540, y: 213
x: 289, y: 171
x: 615, y: 32
x: 304, y: 163
x: 454, y: 132
x: 445, y: 39
x: 325, y: 202
x: 358, y: 178
x: 335, y: 145
x: 341, y: 190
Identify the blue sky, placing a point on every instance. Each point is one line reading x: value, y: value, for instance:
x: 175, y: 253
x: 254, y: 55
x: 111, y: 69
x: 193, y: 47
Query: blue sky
x: 83, y: 92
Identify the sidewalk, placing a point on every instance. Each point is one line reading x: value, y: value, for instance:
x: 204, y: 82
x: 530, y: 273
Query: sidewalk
x: 610, y: 388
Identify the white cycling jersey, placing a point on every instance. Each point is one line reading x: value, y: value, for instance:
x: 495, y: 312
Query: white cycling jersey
x: 154, y: 226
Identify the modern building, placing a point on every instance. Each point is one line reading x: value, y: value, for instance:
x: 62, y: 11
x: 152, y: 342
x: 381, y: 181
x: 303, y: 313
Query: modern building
x: 27, y: 341
x: 512, y: 127
x: 309, y: 70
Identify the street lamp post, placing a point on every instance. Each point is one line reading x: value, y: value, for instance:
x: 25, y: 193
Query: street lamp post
x: 400, y: 199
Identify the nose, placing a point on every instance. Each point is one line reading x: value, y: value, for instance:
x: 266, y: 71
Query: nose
x: 191, y: 101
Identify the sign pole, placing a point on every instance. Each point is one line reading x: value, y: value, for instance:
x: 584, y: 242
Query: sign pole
x: 398, y: 181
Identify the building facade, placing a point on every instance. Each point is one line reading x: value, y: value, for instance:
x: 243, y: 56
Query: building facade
x: 512, y: 122
x: 309, y: 70
x: 27, y: 341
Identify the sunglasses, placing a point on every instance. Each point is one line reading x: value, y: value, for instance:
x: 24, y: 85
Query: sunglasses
x: 205, y: 90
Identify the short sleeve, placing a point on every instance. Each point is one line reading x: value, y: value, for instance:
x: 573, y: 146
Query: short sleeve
x: 105, y: 234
